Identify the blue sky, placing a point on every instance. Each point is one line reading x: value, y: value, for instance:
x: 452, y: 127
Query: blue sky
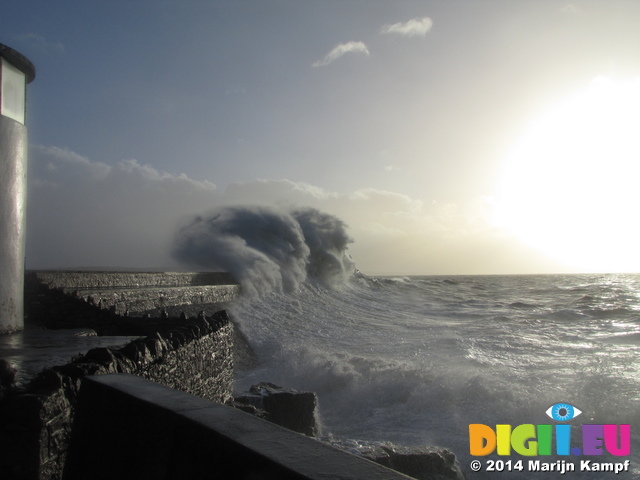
x: 398, y: 116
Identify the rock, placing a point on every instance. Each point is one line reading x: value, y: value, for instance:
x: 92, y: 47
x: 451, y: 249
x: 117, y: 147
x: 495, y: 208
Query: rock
x: 7, y: 373
x: 422, y: 463
x: 86, y: 332
x: 7, y: 378
x: 283, y: 406
x: 100, y: 355
x: 245, y: 407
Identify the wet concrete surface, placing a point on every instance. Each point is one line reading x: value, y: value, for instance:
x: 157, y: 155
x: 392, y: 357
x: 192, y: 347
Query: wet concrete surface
x: 35, y: 349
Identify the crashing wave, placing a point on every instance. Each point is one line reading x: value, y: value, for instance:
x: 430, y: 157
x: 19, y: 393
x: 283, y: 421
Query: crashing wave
x: 267, y: 249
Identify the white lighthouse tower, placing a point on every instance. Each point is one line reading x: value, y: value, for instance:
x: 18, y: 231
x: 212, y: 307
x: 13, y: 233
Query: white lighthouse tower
x: 16, y: 71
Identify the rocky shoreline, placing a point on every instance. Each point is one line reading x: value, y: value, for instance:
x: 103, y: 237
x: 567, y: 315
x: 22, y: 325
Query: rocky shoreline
x: 297, y: 411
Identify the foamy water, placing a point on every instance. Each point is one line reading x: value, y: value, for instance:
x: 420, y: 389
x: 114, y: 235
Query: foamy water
x: 415, y: 360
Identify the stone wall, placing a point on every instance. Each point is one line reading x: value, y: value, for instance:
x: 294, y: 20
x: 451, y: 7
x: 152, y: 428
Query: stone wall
x: 35, y: 424
x: 121, y: 303
x: 101, y: 279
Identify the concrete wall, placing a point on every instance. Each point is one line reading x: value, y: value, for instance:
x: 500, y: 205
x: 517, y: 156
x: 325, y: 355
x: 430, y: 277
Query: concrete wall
x: 35, y: 425
x: 13, y: 184
x: 147, y: 431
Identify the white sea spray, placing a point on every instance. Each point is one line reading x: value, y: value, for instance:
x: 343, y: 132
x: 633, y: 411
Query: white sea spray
x: 416, y: 360
x: 267, y: 249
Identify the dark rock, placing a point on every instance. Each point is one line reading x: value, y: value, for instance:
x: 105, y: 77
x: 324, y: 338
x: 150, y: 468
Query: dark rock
x: 47, y: 379
x: 72, y: 370
x: 99, y: 355
x: 245, y: 407
x: 283, y: 406
x: 138, y: 352
x: 7, y: 373
x: 144, y: 355
x: 123, y: 363
x: 7, y: 378
x: 422, y: 463
x: 156, y: 345
x: 87, y: 332
x: 176, y: 338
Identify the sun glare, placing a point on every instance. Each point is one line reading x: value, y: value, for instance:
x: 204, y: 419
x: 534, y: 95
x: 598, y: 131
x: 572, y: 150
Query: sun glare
x: 570, y: 185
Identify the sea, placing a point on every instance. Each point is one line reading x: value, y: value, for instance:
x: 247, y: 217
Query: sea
x: 415, y: 360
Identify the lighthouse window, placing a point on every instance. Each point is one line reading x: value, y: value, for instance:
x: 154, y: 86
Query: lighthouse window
x: 12, y: 92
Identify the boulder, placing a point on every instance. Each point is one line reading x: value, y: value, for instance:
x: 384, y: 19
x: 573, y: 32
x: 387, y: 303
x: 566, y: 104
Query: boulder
x: 283, y: 406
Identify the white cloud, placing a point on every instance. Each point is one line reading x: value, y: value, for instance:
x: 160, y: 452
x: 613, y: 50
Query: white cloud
x: 572, y: 9
x: 39, y: 43
x: 62, y: 163
x: 340, y: 50
x: 84, y: 213
x: 395, y: 233
x: 416, y: 27
x: 276, y: 192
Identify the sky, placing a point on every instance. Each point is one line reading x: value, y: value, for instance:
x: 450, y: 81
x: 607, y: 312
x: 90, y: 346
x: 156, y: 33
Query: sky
x: 452, y: 137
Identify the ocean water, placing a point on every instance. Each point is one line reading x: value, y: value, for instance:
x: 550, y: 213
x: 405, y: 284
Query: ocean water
x: 415, y: 360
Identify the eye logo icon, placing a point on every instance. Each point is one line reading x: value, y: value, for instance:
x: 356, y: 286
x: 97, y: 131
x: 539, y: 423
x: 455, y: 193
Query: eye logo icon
x: 563, y: 412
x: 530, y: 440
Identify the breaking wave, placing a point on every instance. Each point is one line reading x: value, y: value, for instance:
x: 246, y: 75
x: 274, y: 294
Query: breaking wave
x: 266, y: 249
x: 416, y: 360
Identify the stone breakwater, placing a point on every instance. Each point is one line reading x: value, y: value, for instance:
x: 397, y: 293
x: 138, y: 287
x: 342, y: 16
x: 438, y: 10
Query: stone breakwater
x: 192, y: 353
x: 122, y: 303
x: 35, y: 423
